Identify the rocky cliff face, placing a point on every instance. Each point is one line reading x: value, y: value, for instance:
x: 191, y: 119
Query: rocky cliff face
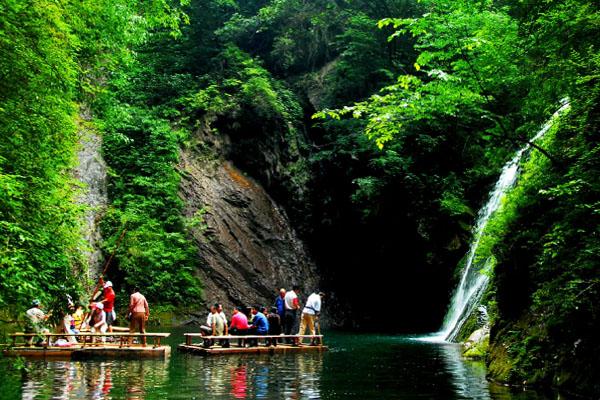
x: 91, y: 172
x: 248, y: 248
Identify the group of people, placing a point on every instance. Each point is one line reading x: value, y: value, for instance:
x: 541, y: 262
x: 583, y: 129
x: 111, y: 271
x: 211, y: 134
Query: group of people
x: 99, y: 317
x: 281, y: 318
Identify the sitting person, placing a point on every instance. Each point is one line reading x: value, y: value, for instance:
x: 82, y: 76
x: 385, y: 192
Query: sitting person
x: 219, y: 325
x: 78, y: 318
x: 68, y: 326
x: 260, y: 325
x: 274, y: 320
x: 216, y: 325
x: 222, y: 314
x: 98, y: 320
x: 239, y: 323
x: 206, y: 330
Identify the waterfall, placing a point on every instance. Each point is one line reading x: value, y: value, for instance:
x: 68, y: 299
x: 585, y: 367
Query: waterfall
x: 474, y: 280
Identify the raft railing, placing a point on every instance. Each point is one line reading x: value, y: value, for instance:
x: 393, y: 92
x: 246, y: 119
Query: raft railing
x: 124, y: 339
x: 273, y: 339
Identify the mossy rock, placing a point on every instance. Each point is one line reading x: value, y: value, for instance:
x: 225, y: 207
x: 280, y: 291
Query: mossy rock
x: 500, y: 365
x: 479, y: 350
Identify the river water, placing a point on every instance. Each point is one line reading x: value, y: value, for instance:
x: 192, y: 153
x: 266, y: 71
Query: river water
x: 358, y: 366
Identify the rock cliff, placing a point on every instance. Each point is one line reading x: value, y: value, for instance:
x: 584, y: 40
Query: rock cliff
x: 91, y: 172
x: 247, y: 248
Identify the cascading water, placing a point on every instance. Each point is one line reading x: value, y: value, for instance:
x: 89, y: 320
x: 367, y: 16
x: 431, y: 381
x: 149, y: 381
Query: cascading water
x: 473, y: 282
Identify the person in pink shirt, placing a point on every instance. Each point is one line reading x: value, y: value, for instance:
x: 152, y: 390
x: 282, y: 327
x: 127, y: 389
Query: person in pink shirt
x: 139, y: 311
x: 239, y: 323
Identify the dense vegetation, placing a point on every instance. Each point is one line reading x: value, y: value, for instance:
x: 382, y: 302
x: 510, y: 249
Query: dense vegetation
x: 55, y: 58
x: 38, y: 217
x: 379, y: 125
x: 507, y: 66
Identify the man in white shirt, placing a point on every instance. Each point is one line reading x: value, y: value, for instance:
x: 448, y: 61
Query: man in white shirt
x: 35, y: 321
x: 310, y: 313
x: 292, y: 305
x: 222, y: 314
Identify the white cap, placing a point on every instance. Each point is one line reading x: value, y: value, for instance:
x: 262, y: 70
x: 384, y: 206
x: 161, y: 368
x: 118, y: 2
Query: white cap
x: 100, y: 306
x: 107, y: 284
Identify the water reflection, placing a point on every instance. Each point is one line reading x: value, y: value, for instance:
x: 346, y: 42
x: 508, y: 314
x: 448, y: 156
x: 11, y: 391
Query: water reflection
x: 468, y: 377
x: 295, y: 376
x: 90, y: 380
x: 356, y: 367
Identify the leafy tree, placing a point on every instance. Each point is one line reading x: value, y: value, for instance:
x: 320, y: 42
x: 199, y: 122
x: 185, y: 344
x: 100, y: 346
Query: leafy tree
x: 54, y: 56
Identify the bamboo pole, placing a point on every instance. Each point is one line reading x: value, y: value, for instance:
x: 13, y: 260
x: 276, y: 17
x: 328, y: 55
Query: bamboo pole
x: 101, y: 280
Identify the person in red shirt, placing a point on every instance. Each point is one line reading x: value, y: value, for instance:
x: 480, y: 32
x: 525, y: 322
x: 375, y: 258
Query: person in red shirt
x: 109, y: 304
x: 239, y: 324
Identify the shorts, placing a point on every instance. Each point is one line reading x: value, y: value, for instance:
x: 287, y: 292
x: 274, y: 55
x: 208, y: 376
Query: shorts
x: 110, y: 317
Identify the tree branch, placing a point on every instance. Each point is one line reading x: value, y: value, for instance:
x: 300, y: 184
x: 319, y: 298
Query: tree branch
x: 486, y: 94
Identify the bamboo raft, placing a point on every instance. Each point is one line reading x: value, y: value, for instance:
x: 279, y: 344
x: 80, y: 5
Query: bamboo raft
x: 264, y: 344
x: 88, y: 346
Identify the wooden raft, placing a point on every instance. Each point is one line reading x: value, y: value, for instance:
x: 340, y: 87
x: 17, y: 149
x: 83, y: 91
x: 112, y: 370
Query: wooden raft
x: 269, y: 344
x: 89, y: 346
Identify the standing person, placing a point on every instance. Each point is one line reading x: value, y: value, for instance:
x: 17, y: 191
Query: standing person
x: 292, y: 305
x: 109, y: 304
x: 35, y: 321
x: 311, y: 313
x: 274, y: 325
x: 138, y: 307
x: 280, y: 303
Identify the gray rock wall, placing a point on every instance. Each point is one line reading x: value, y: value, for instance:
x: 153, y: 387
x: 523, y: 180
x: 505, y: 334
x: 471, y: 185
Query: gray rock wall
x: 249, y: 248
x: 91, y: 172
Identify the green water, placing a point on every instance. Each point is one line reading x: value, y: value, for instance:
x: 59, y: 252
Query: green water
x: 356, y: 367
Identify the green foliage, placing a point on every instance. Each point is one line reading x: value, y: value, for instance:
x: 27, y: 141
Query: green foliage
x: 488, y: 74
x: 54, y: 54
x: 245, y: 84
x: 545, y: 237
x: 39, y: 220
x: 142, y: 150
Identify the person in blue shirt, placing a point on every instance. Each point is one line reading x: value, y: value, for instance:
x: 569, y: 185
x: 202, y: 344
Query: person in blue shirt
x: 260, y: 324
x: 280, y: 304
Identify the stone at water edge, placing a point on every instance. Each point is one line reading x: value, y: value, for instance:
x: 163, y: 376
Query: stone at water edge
x: 476, y: 346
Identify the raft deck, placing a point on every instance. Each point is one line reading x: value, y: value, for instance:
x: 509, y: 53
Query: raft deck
x: 89, y: 345
x: 269, y: 344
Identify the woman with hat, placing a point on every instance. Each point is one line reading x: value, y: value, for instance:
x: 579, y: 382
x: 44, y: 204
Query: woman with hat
x: 98, y: 319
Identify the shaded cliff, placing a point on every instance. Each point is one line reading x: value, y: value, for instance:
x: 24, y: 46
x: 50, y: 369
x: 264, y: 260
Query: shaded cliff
x: 91, y: 172
x: 247, y: 247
